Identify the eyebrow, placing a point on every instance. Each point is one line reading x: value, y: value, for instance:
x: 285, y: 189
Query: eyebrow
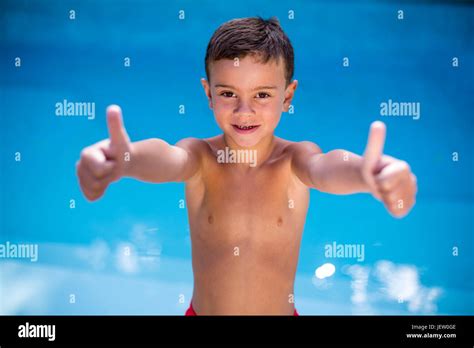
x: 256, y: 88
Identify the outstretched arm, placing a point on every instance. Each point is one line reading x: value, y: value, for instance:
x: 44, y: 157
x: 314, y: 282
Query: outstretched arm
x: 342, y: 172
x: 151, y: 160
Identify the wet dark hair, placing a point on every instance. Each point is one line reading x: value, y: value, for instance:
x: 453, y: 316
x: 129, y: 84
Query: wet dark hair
x: 263, y: 39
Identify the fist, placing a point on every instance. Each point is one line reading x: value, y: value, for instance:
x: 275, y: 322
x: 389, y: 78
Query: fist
x: 104, y: 162
x: 390, y: 180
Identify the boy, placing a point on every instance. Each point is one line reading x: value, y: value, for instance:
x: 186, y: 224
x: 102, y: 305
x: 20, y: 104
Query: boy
x: 247, y: 191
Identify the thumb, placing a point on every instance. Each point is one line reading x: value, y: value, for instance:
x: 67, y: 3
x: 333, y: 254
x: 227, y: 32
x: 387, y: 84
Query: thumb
x: 117, y: 132
x: 373, y: 154
x: 375, y: 143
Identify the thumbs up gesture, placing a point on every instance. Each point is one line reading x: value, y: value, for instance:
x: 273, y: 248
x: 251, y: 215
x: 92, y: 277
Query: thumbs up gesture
x: 390, y: 180
x: 106, y: 161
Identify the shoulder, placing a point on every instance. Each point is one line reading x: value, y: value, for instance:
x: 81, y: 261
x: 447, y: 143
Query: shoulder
x: 301, y: 154
x: 200, y: 149
x: 190, y: 143
x: 194, y: 146
x: 302, y: 149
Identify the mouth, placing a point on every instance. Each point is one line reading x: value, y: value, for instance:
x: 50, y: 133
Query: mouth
x: 247, y: 129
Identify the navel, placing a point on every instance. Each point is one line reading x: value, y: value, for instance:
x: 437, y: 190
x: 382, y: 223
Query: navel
x: 280, y: 221
x: 210, y: 219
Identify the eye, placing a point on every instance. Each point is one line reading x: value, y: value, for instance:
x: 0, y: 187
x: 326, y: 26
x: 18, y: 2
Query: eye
x: 263, y: 95
x: 227, y: 94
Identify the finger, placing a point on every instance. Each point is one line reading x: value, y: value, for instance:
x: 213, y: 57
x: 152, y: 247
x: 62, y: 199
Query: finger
x: 391, y: 198
x: 87, y: 193
x: 101, y: 170
x: 117, y: 132
x: 85, y: 182
x: 373, y: 154
x: 401, y: 207
x: 391, y: 175
x: 384, y: 161
x: 95, y: 161
x: 400, y: 201
x: 92, y: 187
x: 107, y: 149
x: 375, y: 143
x: 402, y: 189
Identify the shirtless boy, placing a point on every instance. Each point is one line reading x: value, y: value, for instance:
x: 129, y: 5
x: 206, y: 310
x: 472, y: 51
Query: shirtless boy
x: 247, y: 217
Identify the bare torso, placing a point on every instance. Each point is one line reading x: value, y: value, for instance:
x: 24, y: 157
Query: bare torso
x: 246, y: 227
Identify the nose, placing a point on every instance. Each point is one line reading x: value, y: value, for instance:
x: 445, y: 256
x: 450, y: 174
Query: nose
x: 243, y: 109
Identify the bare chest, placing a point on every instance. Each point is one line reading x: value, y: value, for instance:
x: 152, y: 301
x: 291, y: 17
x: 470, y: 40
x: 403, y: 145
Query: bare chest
x: 259, y: 209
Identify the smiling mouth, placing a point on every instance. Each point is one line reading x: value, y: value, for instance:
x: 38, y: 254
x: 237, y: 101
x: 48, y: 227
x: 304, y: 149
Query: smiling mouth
x: 245, y: 129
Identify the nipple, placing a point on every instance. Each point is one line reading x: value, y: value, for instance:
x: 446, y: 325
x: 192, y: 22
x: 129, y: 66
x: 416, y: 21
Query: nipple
x: 279, y: 222
x: 210, y: 219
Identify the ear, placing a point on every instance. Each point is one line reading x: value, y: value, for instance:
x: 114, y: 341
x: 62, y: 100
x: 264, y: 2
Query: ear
x: 207, y: 90
x: 289, y: 93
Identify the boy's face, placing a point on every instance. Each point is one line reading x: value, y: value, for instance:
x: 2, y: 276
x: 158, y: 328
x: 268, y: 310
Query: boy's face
x: 245, y: 93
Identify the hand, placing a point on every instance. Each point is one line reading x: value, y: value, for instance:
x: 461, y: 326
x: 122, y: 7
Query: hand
x: 106, y: 161
x: 389, y: 179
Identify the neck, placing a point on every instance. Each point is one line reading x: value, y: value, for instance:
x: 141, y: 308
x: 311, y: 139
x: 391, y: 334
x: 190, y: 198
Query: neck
x: 263, y: 148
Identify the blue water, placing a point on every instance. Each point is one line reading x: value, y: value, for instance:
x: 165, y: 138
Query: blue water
x: 82, y: 60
